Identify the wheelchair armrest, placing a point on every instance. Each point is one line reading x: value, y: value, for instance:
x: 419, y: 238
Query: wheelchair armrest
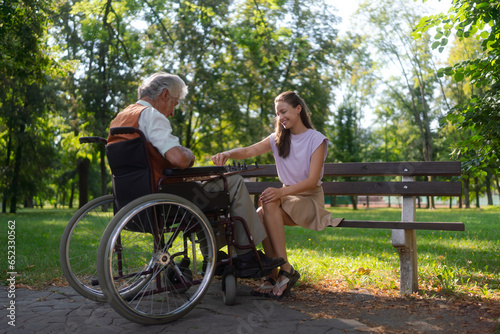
x: 84, y: 140
x: 195, y: 171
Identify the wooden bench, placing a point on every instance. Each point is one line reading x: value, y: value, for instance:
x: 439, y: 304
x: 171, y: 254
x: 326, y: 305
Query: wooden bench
x: 404, y: 231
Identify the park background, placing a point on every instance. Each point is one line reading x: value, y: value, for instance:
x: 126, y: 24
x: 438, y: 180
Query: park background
x: 394, y: 81
x: 397, y: 81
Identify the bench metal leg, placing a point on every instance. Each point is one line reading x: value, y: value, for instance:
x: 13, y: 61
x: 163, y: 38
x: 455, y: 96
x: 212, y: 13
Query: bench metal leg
x: 406, y: 243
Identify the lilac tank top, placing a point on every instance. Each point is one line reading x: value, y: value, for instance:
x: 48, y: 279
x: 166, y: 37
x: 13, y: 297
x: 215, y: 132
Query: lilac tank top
x: 295, y: 168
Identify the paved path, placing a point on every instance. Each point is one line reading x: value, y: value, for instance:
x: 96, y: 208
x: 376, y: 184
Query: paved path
x: 61, y: 310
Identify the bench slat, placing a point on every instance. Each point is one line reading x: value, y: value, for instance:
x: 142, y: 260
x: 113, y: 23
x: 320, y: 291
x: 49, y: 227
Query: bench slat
x: 259, y: 187
x: 443, y: 226
x: 393, y: 188
x: 375, y: 188
x: 422, y: 168
x: 419, y: 168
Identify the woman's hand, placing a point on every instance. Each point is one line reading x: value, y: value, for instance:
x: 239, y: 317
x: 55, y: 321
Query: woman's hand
x: 220, y: 158
x: 271, y: 194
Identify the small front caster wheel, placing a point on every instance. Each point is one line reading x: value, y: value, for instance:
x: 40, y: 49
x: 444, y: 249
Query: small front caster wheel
x: 229, y: 291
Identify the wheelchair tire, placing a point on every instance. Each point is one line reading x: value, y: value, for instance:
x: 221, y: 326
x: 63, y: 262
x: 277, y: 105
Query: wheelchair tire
x: 79, y: 244
x: 229, y: 291
x: 162, y: 272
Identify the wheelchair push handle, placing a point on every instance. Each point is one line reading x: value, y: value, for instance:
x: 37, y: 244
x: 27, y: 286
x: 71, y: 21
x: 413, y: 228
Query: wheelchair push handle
x: 112, y: 131
x: 92, y: 139
x: 124, y: 130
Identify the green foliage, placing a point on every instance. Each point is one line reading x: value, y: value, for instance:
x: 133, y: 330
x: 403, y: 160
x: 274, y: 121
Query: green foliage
x: 410, y: 83
x: 346, y: 142
x: 25, y: 100
x: 67, y: 67
x: 236, y: 56
x: 480, y: 115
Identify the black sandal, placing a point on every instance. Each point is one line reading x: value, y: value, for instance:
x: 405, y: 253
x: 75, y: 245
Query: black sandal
x: 291, y: 278
x: 264, y: 287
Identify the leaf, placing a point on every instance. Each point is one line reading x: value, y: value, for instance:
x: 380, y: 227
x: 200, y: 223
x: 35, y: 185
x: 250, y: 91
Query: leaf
x: 489, y: 45
x: 459, y: 76
x: 482, y: 5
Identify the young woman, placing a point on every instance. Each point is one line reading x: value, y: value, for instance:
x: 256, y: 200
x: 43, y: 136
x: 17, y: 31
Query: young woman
x: 299, y: 152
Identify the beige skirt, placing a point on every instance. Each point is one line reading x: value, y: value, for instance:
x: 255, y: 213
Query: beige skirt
x: 307, y: 209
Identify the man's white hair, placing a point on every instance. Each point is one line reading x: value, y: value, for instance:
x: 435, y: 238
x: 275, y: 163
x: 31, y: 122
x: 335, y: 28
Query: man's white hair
x: 155, y: 84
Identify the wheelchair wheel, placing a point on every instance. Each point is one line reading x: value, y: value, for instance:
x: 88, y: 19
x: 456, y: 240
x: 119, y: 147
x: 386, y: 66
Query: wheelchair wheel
x: 161, y: 272
x: 229, y: 290
x: 79, y: 243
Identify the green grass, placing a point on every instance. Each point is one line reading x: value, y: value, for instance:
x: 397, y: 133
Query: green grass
x: 449, y: 262
x: 456, y: 263
x: 38, y: 233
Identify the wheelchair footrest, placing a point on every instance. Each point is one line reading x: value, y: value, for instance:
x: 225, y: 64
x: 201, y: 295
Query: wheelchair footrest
x: 254, y: 273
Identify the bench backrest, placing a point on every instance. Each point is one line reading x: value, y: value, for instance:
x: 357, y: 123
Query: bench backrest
x: 405, y: 187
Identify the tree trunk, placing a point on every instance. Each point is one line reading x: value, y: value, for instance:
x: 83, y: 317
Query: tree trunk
x: 14, y: 186
x: 498, y: 186
x: 488, y: 188
x: 83, y: 180
x: 354, y: 202
x: 28, y: 202
x: 63, y: 200
x: 476, y: 182
x: 332, y: 200
x: 7, y: 164
x: 466, y: 193
x: 72, y: 196
x: 4, y: 201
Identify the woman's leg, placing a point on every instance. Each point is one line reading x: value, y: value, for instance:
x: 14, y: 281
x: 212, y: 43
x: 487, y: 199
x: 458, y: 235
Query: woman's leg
x: 268, y: 284
x: 274, y: 225
x: 266, y: 243
x: 275, y: 220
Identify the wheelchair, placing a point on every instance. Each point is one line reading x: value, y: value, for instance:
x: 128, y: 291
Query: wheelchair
x: 148, y: 249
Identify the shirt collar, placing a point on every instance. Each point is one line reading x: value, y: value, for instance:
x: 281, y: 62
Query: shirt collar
x: 144, y: 103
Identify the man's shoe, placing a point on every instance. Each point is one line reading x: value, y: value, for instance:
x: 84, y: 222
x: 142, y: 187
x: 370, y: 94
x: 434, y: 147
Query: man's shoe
x: 247, y: 265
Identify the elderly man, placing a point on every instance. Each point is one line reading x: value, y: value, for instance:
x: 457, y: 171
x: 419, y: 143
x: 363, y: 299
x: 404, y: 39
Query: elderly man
x: 158, y: 97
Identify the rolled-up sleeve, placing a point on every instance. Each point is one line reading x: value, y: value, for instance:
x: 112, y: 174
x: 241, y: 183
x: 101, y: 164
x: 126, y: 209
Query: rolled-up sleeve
x: 157, y: 129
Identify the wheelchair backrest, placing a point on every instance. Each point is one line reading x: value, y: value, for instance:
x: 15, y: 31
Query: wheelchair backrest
x: 130, y: 166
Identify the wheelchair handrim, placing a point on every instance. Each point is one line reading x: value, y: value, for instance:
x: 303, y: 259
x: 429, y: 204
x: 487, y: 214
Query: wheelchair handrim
x: 147, y: 203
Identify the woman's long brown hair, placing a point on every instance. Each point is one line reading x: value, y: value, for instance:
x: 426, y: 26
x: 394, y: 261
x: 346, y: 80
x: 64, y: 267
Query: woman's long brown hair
x: 282, y: 135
